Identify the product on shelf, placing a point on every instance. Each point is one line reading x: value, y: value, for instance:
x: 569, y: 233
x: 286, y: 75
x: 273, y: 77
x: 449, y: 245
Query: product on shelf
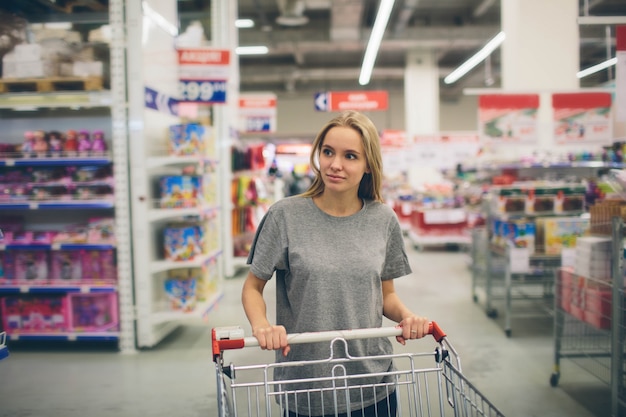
x: 30, y: 314
x: 191, y: 139
x: 84, y: 143
x: 180, y: 191
x: 557, y: 233
x: 593, y: 257
x: 93, y: 312
x: 66, y: 265
x: 602, y: 214
x: 31, y: 265
x: 183, y: 242
x: 181, y: 289
x: 71, y: 143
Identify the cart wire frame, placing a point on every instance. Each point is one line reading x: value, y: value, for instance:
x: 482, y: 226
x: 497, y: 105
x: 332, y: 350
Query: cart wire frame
x: 4, y: 352
x: 417, y: 380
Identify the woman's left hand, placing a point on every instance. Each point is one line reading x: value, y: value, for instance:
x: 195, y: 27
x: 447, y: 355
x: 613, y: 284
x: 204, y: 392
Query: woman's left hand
x: 413, y: 327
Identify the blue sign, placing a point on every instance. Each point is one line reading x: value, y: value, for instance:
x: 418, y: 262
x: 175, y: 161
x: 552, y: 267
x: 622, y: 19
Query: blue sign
x: 160, y: 102
x: 321, y: 101
x: 202, y: 91
x: 258, y: 124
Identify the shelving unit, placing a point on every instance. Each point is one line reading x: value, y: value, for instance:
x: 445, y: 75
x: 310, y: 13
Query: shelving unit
x: 63, y: 110
x: 518, y: 276
x: 589, y: 322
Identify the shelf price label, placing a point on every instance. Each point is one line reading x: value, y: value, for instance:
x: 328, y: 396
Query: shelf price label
x: 202, y: 91
x: 258, y: 124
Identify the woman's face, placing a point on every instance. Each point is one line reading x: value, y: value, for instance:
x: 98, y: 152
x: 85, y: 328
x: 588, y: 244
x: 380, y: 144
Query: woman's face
x: 342, y: 160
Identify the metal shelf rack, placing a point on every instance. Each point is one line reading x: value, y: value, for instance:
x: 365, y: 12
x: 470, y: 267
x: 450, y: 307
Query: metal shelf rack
x: 592, y: 334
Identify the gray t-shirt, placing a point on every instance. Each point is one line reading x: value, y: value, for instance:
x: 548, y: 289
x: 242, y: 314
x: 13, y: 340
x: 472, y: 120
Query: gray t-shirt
x: 329, y: 272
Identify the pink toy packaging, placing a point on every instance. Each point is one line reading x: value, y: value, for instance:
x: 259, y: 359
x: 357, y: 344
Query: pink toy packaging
x: 31, y: 265
x: 98, y: 144
x: 84, y: 143
x: 34, y: 314
x: 66, y: 265
x: 101, y: 231
x: 98, y: 265
x: 94, y: 312
x: 55, y: 139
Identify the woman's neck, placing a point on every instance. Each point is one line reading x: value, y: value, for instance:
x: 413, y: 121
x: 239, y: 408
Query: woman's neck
x: 338, y: 206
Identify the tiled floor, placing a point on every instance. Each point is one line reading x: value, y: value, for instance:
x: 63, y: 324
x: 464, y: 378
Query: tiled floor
x: 177, y: 378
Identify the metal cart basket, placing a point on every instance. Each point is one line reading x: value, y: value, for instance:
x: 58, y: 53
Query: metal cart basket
x: 425, y: 384
x: 4, y: 352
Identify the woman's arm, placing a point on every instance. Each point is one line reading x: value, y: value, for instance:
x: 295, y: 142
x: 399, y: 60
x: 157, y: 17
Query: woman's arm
x: 270, y: 337
x: 413, y: 326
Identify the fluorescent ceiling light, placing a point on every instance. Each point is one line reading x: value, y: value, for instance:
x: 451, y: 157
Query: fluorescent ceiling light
x: 158, y: 19
x: 251, y: 50
x: 596, y: 68
x: 476, y: 59
x: 244, y: 23
x: 382, y: 17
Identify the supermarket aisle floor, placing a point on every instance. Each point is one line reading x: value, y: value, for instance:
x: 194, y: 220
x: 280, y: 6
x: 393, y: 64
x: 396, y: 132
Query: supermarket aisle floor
x: 177, y: 377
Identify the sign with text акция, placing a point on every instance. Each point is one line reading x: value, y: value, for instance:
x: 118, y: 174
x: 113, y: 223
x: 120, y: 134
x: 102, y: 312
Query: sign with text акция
x: 203, y: 74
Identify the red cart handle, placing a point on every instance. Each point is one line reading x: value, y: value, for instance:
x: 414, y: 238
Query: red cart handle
x: 227, y: 338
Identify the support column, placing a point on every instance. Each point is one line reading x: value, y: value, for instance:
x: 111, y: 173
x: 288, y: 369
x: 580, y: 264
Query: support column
x: 540, y: 55
x: 421, y: 93
x: 542, y: 46
x: 421, y: 103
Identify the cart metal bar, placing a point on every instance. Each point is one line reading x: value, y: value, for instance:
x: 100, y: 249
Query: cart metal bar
x: 617, y: 356
x: 417, y: 380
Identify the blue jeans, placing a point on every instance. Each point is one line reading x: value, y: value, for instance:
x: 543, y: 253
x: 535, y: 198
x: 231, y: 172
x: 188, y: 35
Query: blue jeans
x: 387, y: 407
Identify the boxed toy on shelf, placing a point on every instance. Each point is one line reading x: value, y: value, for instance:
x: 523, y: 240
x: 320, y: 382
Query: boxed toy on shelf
x: 93, y: 312
x: 557, y: 233
x: 180, y: 191
x: 181, y: 289
x: 191, y: 139
x: 183, y: 241
x: 30, y: 314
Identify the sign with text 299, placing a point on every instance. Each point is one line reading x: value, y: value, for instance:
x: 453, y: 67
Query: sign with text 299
x: 202, y: 91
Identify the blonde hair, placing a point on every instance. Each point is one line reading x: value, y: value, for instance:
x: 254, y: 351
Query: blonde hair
x: 371, y: 183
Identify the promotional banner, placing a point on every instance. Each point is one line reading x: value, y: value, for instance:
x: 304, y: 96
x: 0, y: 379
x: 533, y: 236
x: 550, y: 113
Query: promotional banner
x: 202, y: 74
x: 394, y: 147
x: 351, y: 100
x: 508, y: 118
x: 257, y: 112
x: 620, y: 74
x: 582, y: 118
x: 445, y: 150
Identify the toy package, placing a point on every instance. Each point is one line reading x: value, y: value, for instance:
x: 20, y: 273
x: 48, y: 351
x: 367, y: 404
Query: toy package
x: 94, y: 312
x: 34, y: 314
x: 66, y: 265
x: 31, y: 265
x: 181, y: 290
x: 183, y: 242
x: 188, y: 139
x: 98, y: 265
x: 101, y: 230
x: 181, y: 191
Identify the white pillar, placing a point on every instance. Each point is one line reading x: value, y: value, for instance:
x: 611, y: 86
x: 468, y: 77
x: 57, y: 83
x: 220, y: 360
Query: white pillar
x: 421, y: 93
x: 541, y: 50
x: 421, y: 103
x: 539, y: 55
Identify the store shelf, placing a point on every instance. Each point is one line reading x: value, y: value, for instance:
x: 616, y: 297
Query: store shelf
x: 52, y: 100
x: 58, y: 205
x: 55, y: 288
x: 69, y: 337
x: 12, y: 160
x: 161, y: 214
x: 200, y: 312
x: 198, y: 262
x: 58, y: 246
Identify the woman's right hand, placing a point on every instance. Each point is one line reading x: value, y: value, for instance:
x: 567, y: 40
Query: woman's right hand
x: 272, y: 338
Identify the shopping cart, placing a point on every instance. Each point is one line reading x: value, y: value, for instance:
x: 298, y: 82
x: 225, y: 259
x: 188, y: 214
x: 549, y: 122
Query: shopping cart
x: 4, y: 352
x: 425, y: 384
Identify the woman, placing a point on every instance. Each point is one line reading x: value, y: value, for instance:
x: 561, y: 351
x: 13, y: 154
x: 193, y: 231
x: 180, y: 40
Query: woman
x: 335, y: 250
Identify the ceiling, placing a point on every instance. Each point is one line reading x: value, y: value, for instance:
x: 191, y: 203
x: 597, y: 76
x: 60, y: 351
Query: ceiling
x: 326, y: 52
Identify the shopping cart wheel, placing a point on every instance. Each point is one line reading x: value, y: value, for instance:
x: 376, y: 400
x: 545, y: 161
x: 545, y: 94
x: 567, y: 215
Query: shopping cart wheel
x: 475, y: 298
x: 492, y: 313
x: 554, y: 379
x: 508, y: 332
